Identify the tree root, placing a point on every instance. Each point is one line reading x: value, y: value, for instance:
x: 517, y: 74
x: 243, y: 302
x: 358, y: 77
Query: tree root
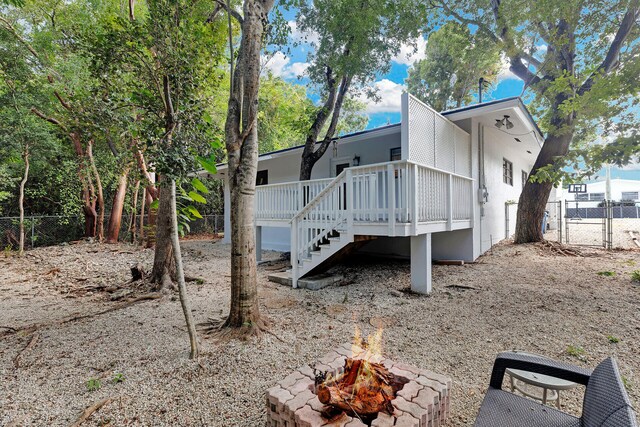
x: 34, y: 340
x: 128, y: 303
x: 221, y: 330
x: 90, y: 410
x: 559, y: 248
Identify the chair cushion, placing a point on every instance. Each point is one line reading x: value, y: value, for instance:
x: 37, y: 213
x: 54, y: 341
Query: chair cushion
x: 606, y: 403
x: 503, y: 409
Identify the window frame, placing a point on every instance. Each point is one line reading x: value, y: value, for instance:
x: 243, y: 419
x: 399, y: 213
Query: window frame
x: 262, y: 174
x: 507, y: 171
x: 394, y: 151
x: 628, y: 193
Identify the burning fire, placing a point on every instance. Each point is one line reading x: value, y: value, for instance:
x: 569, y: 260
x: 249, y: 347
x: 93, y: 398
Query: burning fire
x: 366, y: 387
x: 372, y: 346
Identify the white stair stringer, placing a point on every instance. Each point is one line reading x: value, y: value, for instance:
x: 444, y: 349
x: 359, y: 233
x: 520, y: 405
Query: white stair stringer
x: 324, y: 253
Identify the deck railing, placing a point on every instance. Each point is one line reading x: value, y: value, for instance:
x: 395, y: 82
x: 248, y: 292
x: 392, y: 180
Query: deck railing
x: 392, y: 193
x: 283, y: 201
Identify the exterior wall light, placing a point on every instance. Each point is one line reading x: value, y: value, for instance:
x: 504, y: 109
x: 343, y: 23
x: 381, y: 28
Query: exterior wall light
x: 504, y: 122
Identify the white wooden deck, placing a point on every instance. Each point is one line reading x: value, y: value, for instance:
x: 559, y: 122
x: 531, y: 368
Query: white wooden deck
x: 400, y: 198
x: 430, y: 190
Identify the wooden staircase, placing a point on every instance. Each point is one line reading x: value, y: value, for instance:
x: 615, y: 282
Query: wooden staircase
x: 331, y: 251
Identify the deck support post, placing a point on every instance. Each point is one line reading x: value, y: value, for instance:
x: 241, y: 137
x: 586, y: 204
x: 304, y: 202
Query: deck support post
x: 258, y: 243
x: 450, y: 203
x: 421, y: 263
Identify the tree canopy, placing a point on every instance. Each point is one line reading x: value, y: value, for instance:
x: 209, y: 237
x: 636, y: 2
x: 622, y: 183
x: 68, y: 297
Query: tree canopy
x: 455, y: 59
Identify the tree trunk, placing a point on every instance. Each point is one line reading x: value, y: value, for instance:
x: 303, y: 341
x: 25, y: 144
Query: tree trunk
x: 143, y: 203
x: 25, y: 156
x: 164, y: 265
x: 133, y: 224
x: 100, y: 199
x: 88, y: 202
x: 115, y: 219
x: 332, y: 107
x: 241, y: 138
x: 151, y: 194
x: 534, y: 196
x: 182, y: 288
x: 244, y: 292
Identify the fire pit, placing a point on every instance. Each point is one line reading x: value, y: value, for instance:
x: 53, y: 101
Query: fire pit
x: 355, y: 386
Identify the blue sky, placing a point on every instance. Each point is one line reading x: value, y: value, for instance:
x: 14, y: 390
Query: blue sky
x: 292, y: 64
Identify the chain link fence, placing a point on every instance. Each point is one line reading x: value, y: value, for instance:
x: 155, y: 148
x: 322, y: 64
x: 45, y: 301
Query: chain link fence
x: 609, y: 225
x: 47, y: 230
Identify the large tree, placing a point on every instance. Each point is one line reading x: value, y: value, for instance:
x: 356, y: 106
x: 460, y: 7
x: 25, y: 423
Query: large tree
x: 579, y: 58
x: 241, y: 142
x: 455, y: 59
x: 346, y: 58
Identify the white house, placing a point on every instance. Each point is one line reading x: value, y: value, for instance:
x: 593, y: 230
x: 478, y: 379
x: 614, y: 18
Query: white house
x: 621, y: 189
x: 431, y: 187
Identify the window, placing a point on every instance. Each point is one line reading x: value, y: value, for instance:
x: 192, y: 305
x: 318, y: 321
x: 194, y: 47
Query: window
x: 596, y: 197
x: 507, y: 172
x: 629, y: 195
x: 396, y: 154
x: 262, y: 178
x: 525, y: 177
x: 583, y: 197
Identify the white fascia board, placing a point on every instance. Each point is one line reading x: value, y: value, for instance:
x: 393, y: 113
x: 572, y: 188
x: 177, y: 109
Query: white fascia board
x: 298, y: 150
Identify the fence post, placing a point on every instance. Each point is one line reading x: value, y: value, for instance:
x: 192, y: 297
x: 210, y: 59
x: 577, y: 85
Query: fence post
x: 506, y: 220
x: 33, y: 231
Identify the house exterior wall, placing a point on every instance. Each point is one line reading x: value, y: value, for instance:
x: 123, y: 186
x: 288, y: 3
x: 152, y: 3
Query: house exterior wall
x: 498, y: 146
x: 286, y: 168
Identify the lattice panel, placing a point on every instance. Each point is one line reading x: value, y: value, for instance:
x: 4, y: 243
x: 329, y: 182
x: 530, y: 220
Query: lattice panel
x: 445, y: 145
x: 463, y: 153
x: 421, y: 133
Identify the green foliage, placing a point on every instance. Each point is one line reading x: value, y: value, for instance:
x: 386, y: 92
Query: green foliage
x: 118, y: 378
x: 613, y: 340
x: 93, y: 384
x: 635, y: 275
x: 363, y: 48
x: 185, y: 199
x: 455, y: 59
x: 606, y: 273
x: 582, y: 83
x: 576, y: 351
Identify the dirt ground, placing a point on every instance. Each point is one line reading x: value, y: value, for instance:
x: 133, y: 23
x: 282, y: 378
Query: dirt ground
x: 522, y: 297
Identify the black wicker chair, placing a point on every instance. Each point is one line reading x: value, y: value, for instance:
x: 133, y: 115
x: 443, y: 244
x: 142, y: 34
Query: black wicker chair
x: 605, y: 404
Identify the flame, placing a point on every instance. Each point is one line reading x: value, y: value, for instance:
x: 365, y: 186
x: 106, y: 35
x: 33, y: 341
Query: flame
x: 369, y: 349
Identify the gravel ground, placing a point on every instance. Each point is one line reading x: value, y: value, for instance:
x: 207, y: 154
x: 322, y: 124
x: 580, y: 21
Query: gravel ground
x: 525, y: 298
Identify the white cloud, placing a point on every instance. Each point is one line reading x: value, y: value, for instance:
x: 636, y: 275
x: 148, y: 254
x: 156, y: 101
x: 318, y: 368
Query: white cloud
x: 280, y: 65
x: 389, y: 93
x: 303, y: 37
x: 408, y: 53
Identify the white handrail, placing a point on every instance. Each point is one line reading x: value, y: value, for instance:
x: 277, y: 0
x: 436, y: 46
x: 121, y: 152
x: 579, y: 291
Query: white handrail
x: 392, y: 193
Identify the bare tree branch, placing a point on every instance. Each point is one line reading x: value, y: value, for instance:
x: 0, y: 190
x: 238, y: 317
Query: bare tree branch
x: 43, y: 116
x: 229, y: 9
x: 344, y: 88
x: 612, y: 58
x: 481, y: 25
x: 13, y: 31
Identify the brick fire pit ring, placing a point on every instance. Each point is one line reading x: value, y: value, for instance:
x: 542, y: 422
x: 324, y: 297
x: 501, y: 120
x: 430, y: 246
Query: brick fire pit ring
x: 422, y: 402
